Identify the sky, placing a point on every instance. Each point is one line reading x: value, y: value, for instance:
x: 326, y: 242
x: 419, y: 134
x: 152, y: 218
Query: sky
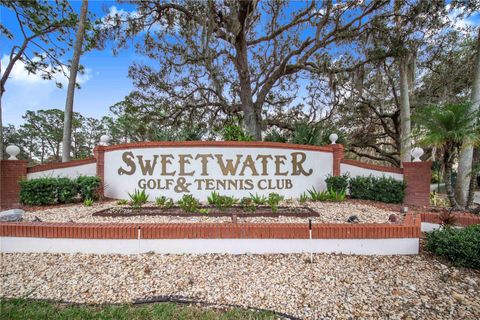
x: 104, y: 83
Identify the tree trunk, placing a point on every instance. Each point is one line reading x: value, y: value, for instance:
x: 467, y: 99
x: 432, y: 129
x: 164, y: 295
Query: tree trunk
x: 405, y: 132
x: 465, y: 159
x: 473, y: 179
x: 77, y: 51
x: 252, y: 118
x: 448, y: 180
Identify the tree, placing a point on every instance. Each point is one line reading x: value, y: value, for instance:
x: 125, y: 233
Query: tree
x: 465, y: 184
x: 77, y: 51
x: 448, y: 127
x: 45, y: 29
x: 235, y: 57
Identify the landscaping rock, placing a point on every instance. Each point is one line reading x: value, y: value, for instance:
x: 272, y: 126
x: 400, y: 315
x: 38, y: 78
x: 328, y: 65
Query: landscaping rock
x: 331, y: 287
x: 11, y: 215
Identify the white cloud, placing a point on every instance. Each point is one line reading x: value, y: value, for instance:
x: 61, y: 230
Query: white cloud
x: 28, y: 91
x: 20, y: 75
x: 459, y: 20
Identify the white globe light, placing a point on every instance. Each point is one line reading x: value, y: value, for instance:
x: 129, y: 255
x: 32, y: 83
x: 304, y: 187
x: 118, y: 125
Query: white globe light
x: 416, y: 154
x: 333, y: 138
x: 12, y: 151
x: 104, y: 140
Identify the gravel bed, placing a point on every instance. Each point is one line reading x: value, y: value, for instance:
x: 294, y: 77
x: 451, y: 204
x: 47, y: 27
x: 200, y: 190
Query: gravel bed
x: 328, y: 213
x: 332, y: 287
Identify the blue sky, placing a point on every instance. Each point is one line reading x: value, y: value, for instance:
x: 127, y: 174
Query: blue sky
x: 104, y: 83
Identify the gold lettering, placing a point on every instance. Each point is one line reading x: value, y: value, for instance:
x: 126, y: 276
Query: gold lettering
x: 127, y: 157
x: 297, y: 167
x: 278, y: 164
x: 227, y: 167
x: 147, y: 166
x: 182, y: 160
x: 165, y: 161
x: 264, y: 158
x: 249, y: 163
x: 204, y: 161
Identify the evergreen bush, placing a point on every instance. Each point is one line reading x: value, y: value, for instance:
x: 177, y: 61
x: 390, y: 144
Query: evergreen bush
x: 381, y: 189
x: 460, y: 246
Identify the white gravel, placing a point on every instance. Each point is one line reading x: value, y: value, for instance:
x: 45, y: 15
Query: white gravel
x: 333, y: 287
x: 329, y: 212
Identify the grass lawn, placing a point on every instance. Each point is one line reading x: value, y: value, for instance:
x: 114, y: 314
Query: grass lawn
x: 28, y: 309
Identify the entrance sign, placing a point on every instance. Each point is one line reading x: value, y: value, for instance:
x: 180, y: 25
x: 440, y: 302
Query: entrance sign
x: 229, y: 168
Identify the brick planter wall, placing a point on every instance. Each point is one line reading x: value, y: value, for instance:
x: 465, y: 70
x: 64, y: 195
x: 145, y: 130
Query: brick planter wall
x: 11, y: 172
x: 409, y: 229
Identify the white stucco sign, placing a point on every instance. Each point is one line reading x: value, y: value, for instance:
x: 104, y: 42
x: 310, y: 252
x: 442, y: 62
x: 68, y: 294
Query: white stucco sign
x: 236, y: 171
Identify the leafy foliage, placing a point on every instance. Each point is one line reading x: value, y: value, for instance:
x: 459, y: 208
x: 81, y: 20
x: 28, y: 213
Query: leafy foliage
x: 337, y: 183
x: 45, y: 191
x: 67, y: 190
x: 122, y: 202
x: 88, y: 202
x: 88, y: 186
x: 164, y: 202
x: 460, y: 246
x: 234, y: 132
x: 138, y: 198
x: 317, y: 195
x: 189, y: 203
x: 248, y: 204
x: 274, y: 200
x: 41, y: 191
x: 258, y: 199
x: 381, y: 189
x: 221, y: 202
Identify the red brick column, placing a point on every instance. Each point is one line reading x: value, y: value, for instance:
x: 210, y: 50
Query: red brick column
x: 417, y: 176
x: 99, y: 153
x: 11, y: 172
x: 337, y: 158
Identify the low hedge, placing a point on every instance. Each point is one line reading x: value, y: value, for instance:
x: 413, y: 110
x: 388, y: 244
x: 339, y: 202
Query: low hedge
x: 381, y: 189
x: 337, y: 183
x: 45, y: 191
x: 460, y: 246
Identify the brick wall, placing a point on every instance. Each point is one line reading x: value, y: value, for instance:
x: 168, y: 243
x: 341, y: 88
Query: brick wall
x: 409, y: 229
x: 417, y: 176
x: 99, y: 153
x: 338, y: 154
x: 11, y: 171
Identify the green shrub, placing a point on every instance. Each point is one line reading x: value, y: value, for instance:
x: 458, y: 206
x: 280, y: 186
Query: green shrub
x: 44, y: 191
x: 221, y: 202
x: 235, y: 133
x: 41, y: 191
x: 122, y: 202
x: 460, y: 246
x: 138, y: 198
x: 337, y: 183
x: 164, y: 202
x: 258, y: 200
x: 88, y: 202
x: 381, y: 189
x: 204, y: 211
x: 88, y: 187
x: 248, y: 204
x: 336, y: 196
x: 317, y: 195
x: 67, y: 190
x: 188, y: 203
x: 304, y: 198
x: 273, y: 201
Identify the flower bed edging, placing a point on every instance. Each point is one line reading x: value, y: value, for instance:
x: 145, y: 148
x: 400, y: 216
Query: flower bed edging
x: 409, y: 229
